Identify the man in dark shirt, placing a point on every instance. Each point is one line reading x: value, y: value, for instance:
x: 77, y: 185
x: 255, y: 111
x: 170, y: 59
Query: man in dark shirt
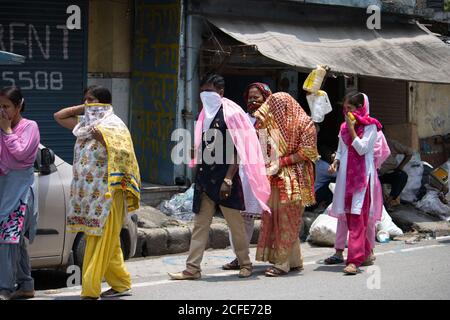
x: 217, y: 184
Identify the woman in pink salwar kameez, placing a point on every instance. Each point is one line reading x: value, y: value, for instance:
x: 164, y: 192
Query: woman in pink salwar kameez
x: 357, y: 200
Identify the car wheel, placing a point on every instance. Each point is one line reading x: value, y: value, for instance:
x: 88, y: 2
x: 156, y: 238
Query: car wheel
x: 125, y: 243
x: 78, y: 250
x: 79, y: 246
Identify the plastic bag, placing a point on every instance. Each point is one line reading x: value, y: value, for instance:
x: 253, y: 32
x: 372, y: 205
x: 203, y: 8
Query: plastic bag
x: 319, y: 104
x: 313, y: 82
x: 180, y: 205
x: 431, y: 204
x: 323, y: 230
x: 414, y: 169
x: 387, y: 225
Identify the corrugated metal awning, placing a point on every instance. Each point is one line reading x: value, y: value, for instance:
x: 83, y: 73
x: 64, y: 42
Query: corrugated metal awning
x: 397, y: 51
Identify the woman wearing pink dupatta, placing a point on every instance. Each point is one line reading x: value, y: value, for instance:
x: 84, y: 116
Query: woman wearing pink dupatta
x: 357, y: 200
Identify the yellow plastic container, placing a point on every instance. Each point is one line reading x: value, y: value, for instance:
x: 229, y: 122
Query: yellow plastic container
x: 439, y: 178
x: 314, y: 81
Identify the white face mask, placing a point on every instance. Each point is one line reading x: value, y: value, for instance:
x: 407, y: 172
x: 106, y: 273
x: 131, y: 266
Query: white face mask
x: 212, y: 102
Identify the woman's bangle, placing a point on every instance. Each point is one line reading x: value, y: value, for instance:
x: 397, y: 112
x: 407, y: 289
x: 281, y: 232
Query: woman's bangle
x: 286, y: 161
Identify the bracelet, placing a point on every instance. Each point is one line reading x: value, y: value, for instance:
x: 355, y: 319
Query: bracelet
x: 285, y: 161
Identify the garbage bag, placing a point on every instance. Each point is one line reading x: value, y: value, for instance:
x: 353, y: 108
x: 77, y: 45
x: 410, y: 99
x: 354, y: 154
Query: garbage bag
x: 431, y: 204
x: 319, y: 104
x: 323, y: 230
x: 180, y: 205
x: 414, y: 169
x: 387, y: 225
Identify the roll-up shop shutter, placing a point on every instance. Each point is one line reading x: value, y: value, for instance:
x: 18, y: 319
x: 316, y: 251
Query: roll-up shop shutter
x: 388, y: 99
x: 55, y: 69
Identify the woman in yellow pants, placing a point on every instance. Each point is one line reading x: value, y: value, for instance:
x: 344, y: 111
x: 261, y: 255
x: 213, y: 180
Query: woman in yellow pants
x: 103, y: 257
x: 105, y: 186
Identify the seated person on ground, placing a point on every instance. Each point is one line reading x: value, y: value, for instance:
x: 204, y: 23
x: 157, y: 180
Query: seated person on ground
x: 323, y: 194
x: 392, y: 173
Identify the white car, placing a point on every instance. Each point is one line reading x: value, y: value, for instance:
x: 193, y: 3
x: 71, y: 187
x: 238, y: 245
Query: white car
x: 54, y: 247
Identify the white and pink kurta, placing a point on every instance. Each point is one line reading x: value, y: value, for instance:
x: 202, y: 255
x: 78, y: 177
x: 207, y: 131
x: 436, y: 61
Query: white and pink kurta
x: 364, y: 146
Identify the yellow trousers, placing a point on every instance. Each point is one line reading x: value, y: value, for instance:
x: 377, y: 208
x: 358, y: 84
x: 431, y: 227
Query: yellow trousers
x: 103, y: 257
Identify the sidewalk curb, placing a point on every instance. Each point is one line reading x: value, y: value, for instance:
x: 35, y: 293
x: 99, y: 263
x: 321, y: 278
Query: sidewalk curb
x: 176, y: 239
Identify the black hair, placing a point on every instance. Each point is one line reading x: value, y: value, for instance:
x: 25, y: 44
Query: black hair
x: 15, y: 95
x: 102, y: 94
x: 215, y: 79
x: 354, y: 98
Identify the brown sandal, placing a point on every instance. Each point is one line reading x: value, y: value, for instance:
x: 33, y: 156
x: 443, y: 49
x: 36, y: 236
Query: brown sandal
x: 351, y: 269
x: 296, y: 269
x: 275, y: 272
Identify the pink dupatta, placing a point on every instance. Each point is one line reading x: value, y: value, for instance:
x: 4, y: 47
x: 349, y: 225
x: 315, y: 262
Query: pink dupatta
x: 356, y: 177
x: 247, y: 145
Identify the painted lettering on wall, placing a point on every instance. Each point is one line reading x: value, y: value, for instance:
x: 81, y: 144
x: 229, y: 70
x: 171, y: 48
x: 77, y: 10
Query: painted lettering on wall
x: 154, y: 86
x: 36, y: 43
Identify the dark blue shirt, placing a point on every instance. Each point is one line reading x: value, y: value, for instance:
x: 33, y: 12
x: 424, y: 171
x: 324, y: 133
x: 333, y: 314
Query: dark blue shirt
x: 209, y: 177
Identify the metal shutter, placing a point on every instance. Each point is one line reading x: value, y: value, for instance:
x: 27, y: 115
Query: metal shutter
x: 55, y: 70
x: 388, y: 99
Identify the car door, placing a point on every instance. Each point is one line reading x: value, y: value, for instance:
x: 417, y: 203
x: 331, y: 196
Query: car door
x: 47, y: 247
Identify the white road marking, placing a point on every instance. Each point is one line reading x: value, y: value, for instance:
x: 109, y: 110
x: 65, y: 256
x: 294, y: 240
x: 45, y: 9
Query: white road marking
x: 75, y: 291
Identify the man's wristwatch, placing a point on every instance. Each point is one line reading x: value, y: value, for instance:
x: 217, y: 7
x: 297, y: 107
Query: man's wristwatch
x: 228, y: 182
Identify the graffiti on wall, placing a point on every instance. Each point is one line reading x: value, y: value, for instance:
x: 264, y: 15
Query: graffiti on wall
x: 433, y: 109
x: 154, y: 86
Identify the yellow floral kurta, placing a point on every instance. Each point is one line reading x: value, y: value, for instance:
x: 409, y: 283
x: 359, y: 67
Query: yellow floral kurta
x: 98, y: 171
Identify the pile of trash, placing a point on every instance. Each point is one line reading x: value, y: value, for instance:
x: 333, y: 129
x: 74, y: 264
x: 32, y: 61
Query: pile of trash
x: 436, y: 200
x: 427, y: 187
x: 180, y: 205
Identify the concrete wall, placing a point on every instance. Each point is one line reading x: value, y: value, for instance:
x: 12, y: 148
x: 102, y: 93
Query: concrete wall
x: 430, y: 109
x: 109, y: 50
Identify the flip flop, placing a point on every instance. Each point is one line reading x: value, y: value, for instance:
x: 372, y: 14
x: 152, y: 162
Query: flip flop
x: 333, y: 260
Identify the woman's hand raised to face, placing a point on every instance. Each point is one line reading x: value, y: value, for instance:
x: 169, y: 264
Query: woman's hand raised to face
x: 350, y: 123
x: 5, y: 122
x: 97, y: 135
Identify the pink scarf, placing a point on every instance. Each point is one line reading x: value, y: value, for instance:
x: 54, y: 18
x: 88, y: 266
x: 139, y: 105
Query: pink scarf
x: 247, y: 145
x: 356, y: 177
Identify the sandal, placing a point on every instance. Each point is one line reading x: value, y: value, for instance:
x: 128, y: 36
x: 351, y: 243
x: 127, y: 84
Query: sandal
x: 275, y: 272
x: 351, y: 269
x: 233, y: 265
x: 370, y: 260
x: 333, y: 260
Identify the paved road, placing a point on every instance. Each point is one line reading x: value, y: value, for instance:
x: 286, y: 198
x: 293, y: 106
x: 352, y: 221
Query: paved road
x: 402, y: 271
